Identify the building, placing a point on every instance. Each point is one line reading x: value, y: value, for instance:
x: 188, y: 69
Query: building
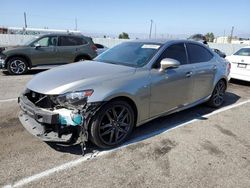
x: 235, y: 40
x: 33, y: 31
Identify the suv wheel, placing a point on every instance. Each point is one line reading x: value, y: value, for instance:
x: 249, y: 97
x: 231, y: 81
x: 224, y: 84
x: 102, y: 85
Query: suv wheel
x: 218, y: 95
x: 17, y: 66
x: 80, y: 59
x: 112, y: 124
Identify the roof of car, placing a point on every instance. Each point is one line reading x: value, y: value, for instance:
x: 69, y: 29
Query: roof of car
x: 246, y: 47
x: 62, y: 34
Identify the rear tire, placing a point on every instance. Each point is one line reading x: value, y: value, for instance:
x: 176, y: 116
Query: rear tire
x: 112, y: 124
x: 218, y: 95
x: 81, y: 58
x: 17, y: 66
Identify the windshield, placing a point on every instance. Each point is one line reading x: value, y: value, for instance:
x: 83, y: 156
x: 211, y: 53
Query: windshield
x: 29, y: 41
x: 243, y: 52
x: 135, y: 54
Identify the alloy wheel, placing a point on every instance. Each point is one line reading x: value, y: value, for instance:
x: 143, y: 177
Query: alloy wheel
x: 115, y: 125
x: 219, y: 92
x: 17, y: 66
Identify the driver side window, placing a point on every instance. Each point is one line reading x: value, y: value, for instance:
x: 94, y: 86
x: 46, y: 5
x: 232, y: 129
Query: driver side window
x: 43, y: 42
x: 47, y: 41
x: 175, y: 51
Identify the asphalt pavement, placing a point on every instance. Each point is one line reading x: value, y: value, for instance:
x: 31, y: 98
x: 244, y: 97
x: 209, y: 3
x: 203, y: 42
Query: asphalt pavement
x: 198, y: 147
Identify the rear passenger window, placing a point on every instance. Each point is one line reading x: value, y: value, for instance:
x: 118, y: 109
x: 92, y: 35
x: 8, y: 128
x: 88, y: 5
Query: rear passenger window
x: 198, y: 54
x: 71, y: 41
x: 175, y: 51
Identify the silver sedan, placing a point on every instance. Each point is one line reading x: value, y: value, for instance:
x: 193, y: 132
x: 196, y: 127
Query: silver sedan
x: 130, y: 84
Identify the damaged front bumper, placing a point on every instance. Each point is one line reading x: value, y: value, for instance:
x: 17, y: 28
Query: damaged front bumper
x: 59, y: 125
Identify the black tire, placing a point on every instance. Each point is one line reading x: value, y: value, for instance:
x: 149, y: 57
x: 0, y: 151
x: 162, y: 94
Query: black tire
x: 17, y: 66
x: 107, y: 129
x: 218, y: 95
x: 81, y: 58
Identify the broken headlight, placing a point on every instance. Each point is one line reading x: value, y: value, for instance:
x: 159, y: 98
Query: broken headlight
x: 74, y: 99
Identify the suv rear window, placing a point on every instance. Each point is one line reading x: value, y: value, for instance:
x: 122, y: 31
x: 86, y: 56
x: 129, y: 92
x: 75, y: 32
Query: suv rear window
x: 71, y: 41
x: 198, y: 54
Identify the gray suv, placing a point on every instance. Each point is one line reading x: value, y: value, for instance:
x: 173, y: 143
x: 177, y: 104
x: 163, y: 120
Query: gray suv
x: 47, y: 50
x: 128, y: 85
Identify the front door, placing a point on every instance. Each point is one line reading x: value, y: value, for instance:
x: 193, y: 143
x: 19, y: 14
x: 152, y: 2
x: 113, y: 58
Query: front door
x: 46, y: 53
x: 172, y: 88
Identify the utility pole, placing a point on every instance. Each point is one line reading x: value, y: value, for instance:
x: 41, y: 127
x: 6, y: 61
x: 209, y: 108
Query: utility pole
x: 25, y: 21
x: 150, y: 32
x: 155, y: 30
x: 76, y: 24
x: 224, y: 35
x: 231, y: 35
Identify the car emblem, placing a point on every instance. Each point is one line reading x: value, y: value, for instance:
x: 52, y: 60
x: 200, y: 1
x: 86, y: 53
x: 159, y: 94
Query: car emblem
x: 242, y: 60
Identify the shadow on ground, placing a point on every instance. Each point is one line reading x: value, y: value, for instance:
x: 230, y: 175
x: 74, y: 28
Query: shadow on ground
x: 29, y: 72
x: 154, y: 127
x: 240, y: 82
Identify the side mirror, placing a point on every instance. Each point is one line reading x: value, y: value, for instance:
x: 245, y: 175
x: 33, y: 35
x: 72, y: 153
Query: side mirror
x: 167, y: 63
x: 37, y: 45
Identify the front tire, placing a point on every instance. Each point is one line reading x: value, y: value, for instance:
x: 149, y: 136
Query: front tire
x: 112, y: 124
x: 17, y: 66
x: 218, y: 95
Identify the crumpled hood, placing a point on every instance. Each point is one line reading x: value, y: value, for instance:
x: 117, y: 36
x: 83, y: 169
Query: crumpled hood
x: 76, y: 76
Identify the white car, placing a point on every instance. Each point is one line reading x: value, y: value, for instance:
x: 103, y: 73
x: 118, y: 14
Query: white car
x: 240, y: 64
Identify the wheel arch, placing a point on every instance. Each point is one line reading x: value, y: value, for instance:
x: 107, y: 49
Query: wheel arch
x: 130, y: 101
x: 87, y: 57
x: 224, y: 79
x: 19, y: 55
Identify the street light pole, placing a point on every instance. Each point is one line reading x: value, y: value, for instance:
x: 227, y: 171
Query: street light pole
x: 25, y: 21
x: 150, y: 32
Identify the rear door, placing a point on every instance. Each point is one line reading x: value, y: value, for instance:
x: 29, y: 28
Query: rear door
x: 205, y: 68
x: 68, y: 48
x: 172, y: 88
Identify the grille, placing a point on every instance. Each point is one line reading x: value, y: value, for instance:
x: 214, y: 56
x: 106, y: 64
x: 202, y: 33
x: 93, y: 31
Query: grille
x: 41, y: 100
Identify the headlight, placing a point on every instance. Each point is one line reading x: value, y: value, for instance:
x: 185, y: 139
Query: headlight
x: 74, y: 99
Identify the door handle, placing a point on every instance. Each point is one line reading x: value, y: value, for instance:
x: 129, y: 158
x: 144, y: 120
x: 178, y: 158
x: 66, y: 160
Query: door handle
x: 189, y: 74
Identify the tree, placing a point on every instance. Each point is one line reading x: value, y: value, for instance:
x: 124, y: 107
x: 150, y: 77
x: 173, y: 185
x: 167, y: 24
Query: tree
x: 123, y: 35
x: 210, y: 37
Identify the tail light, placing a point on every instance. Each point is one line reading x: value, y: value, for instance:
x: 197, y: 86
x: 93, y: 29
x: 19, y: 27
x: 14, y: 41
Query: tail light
x: 228, y: 67
x: 94, y: 47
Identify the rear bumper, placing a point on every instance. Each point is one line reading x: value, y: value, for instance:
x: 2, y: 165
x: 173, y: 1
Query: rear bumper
x: 42, y: 123
x: 240, y: 76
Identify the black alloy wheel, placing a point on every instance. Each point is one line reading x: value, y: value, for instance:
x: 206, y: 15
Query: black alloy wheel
x: 218, y: 95
x: 113, y: 124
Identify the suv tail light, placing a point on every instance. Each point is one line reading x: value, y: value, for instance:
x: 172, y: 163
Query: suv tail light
x: 94, y: 47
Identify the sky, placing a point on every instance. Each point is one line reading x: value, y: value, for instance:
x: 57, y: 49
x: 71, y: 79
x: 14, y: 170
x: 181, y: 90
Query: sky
x: 111, y: 17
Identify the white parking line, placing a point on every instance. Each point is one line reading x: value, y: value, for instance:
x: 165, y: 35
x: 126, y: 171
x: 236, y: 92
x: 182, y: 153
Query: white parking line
x: 8, y: 100
x: 76, y: 162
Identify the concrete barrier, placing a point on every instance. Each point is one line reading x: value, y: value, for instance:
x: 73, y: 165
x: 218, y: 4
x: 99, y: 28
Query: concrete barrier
x: 11, y: 39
